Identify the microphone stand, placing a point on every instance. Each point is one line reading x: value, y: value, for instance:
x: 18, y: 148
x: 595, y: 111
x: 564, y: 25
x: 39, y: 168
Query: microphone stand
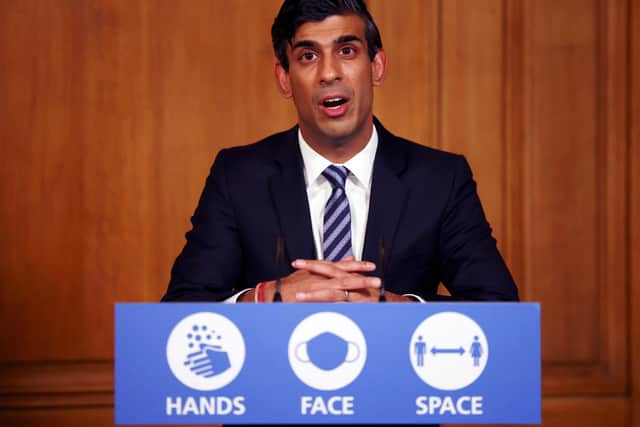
x: 382, y: 297
x: 277, y: 297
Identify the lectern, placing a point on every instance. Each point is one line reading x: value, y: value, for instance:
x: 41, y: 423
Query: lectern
x: 393, y: 363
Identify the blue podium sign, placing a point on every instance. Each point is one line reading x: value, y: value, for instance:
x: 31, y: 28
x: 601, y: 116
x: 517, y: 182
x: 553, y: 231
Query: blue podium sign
x: 462, y: 363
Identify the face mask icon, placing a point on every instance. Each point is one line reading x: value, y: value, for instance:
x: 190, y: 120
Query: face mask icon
x: 327, y: 351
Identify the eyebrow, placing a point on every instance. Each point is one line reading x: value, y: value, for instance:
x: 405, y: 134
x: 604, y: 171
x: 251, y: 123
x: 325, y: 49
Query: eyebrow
x: 348, y: 38
x: 340, y: 40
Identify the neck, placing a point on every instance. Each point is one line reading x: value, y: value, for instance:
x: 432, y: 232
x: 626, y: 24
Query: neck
x: 339, y: 150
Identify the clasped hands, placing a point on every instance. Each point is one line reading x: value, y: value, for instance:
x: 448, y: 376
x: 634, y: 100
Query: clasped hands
x: 327, y: 281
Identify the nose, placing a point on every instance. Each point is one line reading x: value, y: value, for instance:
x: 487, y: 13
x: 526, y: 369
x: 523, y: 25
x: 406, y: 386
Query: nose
x: 329, y: 71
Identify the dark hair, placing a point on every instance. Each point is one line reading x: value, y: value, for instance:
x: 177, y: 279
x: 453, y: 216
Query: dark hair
x: 294, y: 13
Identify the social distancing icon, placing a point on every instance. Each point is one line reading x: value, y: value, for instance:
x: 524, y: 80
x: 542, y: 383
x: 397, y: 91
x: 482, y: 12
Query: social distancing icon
x: 448, y: 351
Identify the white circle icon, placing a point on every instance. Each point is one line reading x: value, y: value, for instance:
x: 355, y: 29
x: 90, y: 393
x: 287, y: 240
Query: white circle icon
x: 448, y: 351
x: 327, y: 351
x: 205, y: 351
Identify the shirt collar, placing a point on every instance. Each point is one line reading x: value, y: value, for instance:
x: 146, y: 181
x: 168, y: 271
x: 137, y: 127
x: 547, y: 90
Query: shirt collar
x: 360, y: 165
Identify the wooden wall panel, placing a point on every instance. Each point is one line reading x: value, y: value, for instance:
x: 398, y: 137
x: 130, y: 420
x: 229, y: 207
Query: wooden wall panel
x: 574, y: 188
x: 113, y: 110
x: 408, y: 101
x: 472, y: 96
x: 51, y: 417
x: 119, y: 108
x: 38, y: 172
x: 586, y: 411
x: 561, y: 180
x: 514, y: 134
x: 202, y: 96
x: 634, y: 207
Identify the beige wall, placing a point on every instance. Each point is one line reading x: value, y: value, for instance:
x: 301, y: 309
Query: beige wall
x: 111, y: 112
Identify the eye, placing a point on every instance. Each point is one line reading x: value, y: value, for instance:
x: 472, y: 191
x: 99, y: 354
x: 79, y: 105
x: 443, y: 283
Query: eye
x: 307, y: 56
x: 348, y: 51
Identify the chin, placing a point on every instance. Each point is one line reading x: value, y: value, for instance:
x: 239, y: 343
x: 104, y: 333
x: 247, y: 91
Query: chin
x: 338, y: 131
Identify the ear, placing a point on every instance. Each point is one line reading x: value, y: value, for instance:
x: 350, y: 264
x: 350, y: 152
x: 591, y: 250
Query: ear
x: 379, y: 67
x: 283, y: 81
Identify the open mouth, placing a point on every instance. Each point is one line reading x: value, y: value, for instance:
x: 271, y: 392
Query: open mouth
x: 333, y: 103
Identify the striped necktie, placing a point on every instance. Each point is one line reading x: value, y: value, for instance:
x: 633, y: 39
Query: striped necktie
x: 336, y: 242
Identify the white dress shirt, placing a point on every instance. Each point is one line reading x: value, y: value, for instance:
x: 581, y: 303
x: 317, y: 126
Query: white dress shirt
x: 357, y: 187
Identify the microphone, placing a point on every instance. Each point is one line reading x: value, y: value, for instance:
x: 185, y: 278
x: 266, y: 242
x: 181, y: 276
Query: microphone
x: 277, y: 297
x: 382, y: 297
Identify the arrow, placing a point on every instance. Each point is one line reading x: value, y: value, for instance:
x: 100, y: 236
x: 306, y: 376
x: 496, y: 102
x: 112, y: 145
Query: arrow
x: 435, y: 350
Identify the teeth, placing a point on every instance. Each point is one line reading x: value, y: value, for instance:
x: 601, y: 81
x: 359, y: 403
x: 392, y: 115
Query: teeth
x: 333, y: 103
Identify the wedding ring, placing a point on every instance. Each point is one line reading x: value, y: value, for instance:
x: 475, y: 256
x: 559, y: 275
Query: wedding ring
x: 346, y: 295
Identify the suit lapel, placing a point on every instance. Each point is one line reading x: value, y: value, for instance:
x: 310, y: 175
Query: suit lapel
x: 289, y: 196
x: 388, y: 197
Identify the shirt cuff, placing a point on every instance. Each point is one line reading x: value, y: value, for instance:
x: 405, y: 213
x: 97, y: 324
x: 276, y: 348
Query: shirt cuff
x: 234, y: 298
x: 418, y: 298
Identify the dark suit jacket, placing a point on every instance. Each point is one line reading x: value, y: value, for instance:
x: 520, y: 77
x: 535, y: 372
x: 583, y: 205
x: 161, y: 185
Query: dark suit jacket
x: 423, y: 205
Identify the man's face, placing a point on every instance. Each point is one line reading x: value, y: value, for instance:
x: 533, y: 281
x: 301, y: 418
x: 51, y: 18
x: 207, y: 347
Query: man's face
x: 331, y: 79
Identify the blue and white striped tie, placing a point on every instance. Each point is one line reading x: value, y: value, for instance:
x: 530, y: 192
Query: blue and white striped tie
x: 336, y: 242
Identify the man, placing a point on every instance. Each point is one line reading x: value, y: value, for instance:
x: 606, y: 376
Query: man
x: 338, y: 190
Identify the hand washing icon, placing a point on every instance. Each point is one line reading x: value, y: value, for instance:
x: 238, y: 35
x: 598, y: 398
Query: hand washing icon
x: 205, y: 351
x: 327, y: 351
x: 209, y: 361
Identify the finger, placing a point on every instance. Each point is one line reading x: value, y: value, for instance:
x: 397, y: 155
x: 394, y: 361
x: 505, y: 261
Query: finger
x: 355, y: 282
x: 333, y: 269
x: 323, y: 295
x: 336, y: 295
x: 351, y: 265
x: 350, y: 283
x: 362, y: 295
x: 324, y: 268
x: 355, y: 289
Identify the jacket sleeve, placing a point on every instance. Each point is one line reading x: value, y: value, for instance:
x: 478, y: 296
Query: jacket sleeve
x: 210, y: 263
x: 472, y: 267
